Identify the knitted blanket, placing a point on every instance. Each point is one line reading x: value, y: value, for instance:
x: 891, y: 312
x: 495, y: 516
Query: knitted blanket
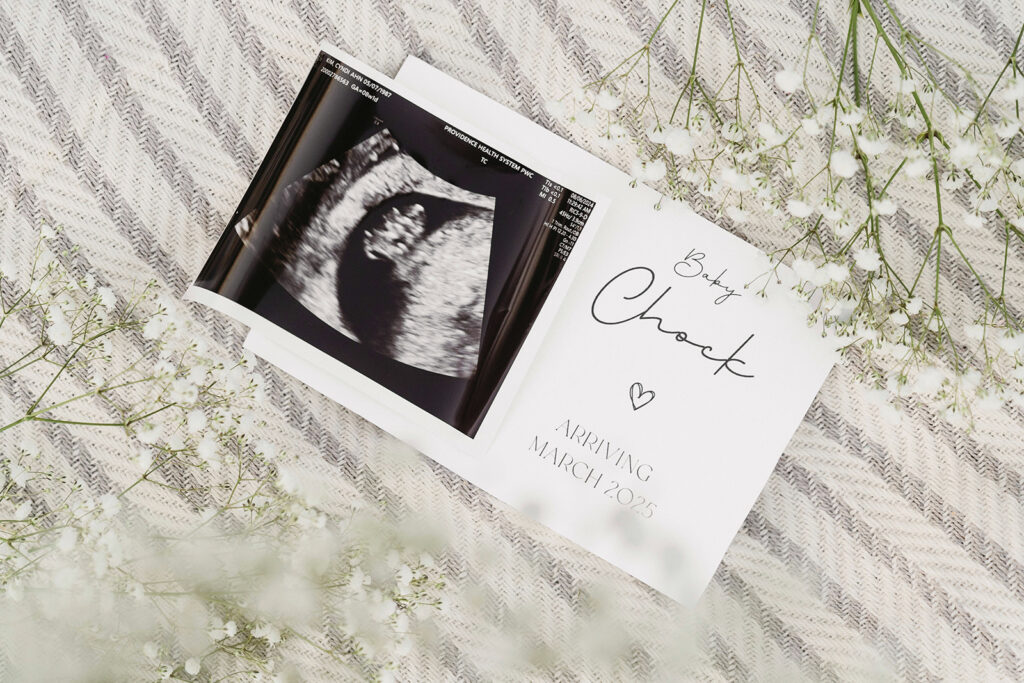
x: 876, y: 550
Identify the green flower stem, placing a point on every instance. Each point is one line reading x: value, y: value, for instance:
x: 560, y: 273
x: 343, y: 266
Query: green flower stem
x: 64, y: 367
x: 692, y: 79
x: 233, y: 674
x: 741, y: 70
x: 967, y: 262
x: 836, y: 99
x: 854, y: 13
x: 929, y: 128
x: 932, y: 134
x: 1006, y: 256
x: 1010, y: 61
x: 95, y: 392
x: 13, y: 367
x: 126, y: 423
x: 924, y: 262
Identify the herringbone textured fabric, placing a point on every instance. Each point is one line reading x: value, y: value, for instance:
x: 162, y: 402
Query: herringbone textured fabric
x: 876, y: 551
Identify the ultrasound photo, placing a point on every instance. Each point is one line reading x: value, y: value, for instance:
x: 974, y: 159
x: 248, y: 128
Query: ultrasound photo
x: 396, y: 243
x: 388, y: 254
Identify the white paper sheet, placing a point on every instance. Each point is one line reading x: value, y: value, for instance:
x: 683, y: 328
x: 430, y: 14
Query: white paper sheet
x: 662, y: 395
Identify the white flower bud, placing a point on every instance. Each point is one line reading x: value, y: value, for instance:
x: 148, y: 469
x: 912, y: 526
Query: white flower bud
x: 867, y: 259
x: 885, y: 207
x: 788, y: 80
x: 843, y: 164
x: 799, y: 209
x: 22, y: 512
x: 655, y: 170
x: 608, y: 101
x: 974, y: 332
x: 810, y: 126
x: 736, y: 214
x: 872, y: 146
x: 556, y: 108
x: 678, y: 141
x: 59, y: 331
x: 192, y: 666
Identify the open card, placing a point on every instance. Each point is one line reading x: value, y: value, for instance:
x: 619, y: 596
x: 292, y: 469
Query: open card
x: 434, y: 276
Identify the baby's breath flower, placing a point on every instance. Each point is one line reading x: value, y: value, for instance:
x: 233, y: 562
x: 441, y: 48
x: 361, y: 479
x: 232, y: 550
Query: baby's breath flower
x: 772, y: 136
x: 899, y: 318
x: 867, y: 259
x: 150, y: 433
x: 155, y: 327
x: 586, y: 118
x: 906, y: 85
x: 678, y: 141
x: 735, y: 180
x: 1013, y: 92
x: 655, y: 133
x: 872, y: 146
x: 59, y: 331
x: 110, y: 504
x: 732, y: 132
x: 23, y: 510
x: 654, y: 170
x: 107, y: 298
x: 798, y: 208
x: 144, y: 459
x: 837, y: 272
x: 608, y: 101
x: 804, y: 269
x: 556, y: 108
x: 885, y: 207
x: 843, y: 164
x: 852, y: 117
x: 963, y: 152
x: 917, y: 165
x: 810, y: 126
x: 788, y: 80
x: 974, y: 332
x: 973, y: 220
x: 736, y: 214
x: 1008, y: 128
x: 830, y: 211
x: 267, y: 632
x: 267, y: 449
x: 208, y: 449
x: 195, y: 421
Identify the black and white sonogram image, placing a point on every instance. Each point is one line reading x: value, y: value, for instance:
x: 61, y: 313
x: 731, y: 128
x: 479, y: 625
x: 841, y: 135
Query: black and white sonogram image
x: 393, y: 241
x: 390, y: 255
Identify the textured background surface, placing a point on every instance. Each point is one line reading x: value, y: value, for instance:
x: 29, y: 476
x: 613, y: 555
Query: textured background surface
x: 875, y: 551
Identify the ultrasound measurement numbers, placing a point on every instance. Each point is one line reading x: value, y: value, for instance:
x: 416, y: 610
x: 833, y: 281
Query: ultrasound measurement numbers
x: 573, y: 212
x: 551, y: 192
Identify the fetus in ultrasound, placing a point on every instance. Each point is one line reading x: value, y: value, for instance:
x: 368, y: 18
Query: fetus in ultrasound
x: 385, y: 252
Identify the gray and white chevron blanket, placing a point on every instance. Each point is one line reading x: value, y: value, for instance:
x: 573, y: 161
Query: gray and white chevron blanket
x: 875, y: 552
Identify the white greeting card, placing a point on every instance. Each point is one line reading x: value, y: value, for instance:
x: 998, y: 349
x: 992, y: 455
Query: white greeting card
x: 664, y: 394
x: 647, y: 415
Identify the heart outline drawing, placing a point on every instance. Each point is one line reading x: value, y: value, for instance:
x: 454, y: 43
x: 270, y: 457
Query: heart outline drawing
x: 639, y: 397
